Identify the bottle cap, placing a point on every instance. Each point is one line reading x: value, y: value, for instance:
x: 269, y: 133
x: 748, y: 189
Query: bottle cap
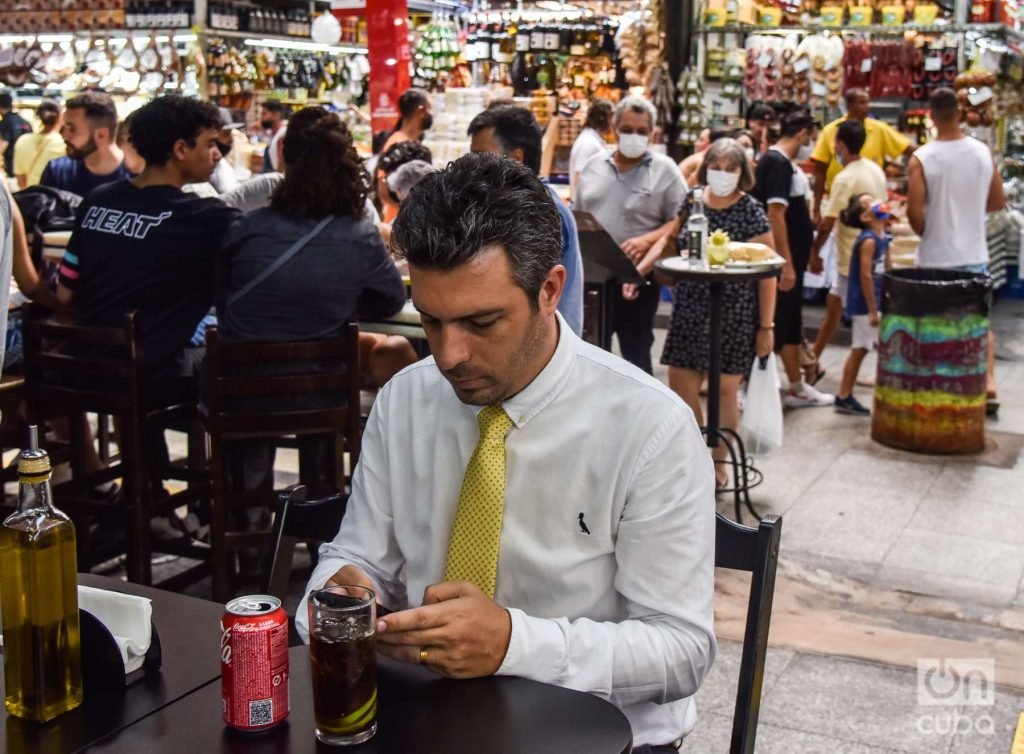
x: 33, y: 460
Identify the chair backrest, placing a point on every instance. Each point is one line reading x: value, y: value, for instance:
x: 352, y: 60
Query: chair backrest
x: 74, y: 368
x: 742, y: 548
x: 241, y: 376
x: 298, y: 519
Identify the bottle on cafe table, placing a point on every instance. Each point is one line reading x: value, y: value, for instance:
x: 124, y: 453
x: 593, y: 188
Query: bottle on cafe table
x: 39, y: 598
x: 697, y: 229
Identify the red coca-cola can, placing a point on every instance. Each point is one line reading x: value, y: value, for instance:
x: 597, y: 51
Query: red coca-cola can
x: 254, y: 663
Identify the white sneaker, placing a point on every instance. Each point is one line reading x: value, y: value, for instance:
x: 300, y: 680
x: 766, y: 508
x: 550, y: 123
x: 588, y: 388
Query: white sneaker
x: 808, y: 397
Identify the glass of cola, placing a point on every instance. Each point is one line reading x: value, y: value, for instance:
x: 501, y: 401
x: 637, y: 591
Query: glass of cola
x: 342, y: 639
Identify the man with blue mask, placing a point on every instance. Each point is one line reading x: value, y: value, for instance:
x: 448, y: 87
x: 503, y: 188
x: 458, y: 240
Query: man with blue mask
x: 636, y: 195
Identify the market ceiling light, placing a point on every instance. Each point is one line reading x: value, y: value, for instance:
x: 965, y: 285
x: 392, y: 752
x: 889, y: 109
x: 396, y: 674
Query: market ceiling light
x: 55, y: 38
x: 305, y: 46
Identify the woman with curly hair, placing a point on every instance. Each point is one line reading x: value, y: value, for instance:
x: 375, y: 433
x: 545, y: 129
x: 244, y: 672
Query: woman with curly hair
x: 341, y: 273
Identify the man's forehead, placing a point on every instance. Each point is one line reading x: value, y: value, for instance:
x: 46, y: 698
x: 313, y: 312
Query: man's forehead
x: 635, y: 118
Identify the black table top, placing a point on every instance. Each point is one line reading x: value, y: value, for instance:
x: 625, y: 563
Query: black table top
x: 189, y: 630
x: 419, y: 713
x: 679, y: 268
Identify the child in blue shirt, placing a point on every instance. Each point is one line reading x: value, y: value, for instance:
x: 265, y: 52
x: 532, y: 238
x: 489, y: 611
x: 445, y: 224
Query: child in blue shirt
x: 870, y: 257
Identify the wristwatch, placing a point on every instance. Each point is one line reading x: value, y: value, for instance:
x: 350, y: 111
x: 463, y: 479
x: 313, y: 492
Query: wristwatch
x: 767, y: 327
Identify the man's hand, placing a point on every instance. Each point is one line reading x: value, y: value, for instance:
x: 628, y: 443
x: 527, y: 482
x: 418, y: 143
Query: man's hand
x: 630, y: 291
x: 635, y: 248
x: 350, y: 575
x: 874, y: 319
x: 465, y: 632
x: 788, y: 280
x: 816, y: 265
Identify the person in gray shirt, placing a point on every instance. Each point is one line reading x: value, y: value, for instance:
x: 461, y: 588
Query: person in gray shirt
x: 636, y: 195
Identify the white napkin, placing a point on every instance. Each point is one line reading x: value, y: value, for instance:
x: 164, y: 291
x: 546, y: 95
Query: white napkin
x: 126, y: 617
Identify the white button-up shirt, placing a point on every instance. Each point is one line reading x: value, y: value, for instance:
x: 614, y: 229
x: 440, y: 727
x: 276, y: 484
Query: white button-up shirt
x: 623, y: 610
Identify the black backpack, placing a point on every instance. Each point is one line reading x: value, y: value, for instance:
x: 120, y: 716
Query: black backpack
x: 45, y: 208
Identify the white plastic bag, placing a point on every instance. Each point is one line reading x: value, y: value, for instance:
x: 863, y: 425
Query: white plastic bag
x: 761, y: 426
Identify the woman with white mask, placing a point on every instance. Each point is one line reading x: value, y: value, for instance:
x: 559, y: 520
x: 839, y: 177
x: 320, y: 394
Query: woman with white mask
x: 748, y: 308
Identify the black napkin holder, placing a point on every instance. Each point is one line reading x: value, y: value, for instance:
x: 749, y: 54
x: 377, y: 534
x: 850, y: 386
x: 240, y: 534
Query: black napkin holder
x: 102, y: 666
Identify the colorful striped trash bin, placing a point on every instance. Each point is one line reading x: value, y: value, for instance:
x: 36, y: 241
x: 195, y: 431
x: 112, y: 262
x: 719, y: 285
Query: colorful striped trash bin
x: 932, y: 348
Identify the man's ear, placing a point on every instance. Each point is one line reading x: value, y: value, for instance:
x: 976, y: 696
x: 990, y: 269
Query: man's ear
x: 517, y: 154
x: 180, y: 149
x: 551, y: 289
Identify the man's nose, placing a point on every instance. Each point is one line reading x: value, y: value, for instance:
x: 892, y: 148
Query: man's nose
x: 449, y: 347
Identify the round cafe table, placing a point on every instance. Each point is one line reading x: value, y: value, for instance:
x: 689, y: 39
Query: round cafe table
x: 717, y: 277
x: 419, y: 713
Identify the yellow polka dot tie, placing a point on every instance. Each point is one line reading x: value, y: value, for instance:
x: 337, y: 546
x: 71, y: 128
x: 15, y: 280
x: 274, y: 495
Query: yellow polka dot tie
x: 476, y: 533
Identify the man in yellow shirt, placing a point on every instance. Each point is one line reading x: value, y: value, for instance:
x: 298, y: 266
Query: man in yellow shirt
x: 883, y: 142
x: 33, y: 151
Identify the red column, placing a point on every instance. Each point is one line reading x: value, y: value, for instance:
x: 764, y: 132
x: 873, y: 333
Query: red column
x: 387, y: 28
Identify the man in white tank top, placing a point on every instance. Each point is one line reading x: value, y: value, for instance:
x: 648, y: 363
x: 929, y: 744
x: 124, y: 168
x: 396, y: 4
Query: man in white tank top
x: 953, y: 184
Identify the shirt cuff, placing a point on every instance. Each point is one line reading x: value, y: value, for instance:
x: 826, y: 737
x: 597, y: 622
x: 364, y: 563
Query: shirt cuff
x: 778, y: 200
x: 536, y: 649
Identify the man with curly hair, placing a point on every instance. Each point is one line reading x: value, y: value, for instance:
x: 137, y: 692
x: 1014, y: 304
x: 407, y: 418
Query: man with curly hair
x: 144, y: 245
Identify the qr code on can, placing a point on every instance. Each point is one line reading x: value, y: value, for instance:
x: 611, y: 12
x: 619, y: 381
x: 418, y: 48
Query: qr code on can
x: 261, y: 712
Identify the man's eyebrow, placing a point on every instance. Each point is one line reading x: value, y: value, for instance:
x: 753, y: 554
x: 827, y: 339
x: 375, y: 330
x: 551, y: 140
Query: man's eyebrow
x: 472, y: 315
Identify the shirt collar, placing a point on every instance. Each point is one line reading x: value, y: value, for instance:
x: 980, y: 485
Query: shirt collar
x: 546, y: 386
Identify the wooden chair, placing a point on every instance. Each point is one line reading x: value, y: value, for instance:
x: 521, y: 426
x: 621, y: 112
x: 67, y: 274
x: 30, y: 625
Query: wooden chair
x: 295, y: 370
x: 298, y: 520
x: 742, y: 548
x: 70, y: 370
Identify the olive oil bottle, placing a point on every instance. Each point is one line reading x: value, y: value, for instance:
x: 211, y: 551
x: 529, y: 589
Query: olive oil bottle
x: 39, y: 591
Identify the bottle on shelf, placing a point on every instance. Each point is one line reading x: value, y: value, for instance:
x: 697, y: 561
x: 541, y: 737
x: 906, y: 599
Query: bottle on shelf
x: 39, y: 598
x: 697, y: 229
x: 552, y: 38
x: 578, y: 42
x: 537, y: 34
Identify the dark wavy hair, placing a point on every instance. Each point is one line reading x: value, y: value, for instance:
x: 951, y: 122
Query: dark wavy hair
x: 99, y: 109
x: 408, y: 103
x: 158, y: 124
x: 852, y: 134
x: 292, y: 143
x: 325, y: 175
x: 851, y: 215
x: 599, y: 116
x: 401, y: 153
x: 479, y: 201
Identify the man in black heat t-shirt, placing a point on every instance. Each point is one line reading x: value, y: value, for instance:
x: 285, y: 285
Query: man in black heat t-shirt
x: 144, y: 245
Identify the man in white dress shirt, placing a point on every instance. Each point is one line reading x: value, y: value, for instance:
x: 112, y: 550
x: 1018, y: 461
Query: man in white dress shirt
x: 605, y: 570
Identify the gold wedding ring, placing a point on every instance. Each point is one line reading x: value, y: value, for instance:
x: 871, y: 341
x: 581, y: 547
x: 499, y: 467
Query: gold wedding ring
x: 423, y: 655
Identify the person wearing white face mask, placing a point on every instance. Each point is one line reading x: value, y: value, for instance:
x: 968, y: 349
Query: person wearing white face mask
x: 747, y: 308
x: 782, y: 187
x: 635, y: 194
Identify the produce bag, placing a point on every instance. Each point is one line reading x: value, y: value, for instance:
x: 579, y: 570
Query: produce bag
x: 761, y: 426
